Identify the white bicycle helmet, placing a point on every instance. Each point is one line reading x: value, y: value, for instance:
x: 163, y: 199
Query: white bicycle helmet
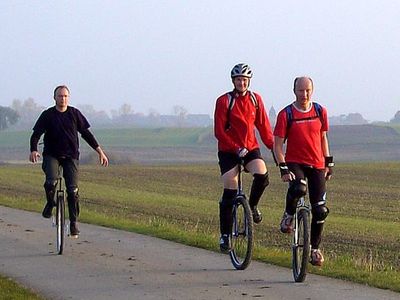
x: 241, y: 70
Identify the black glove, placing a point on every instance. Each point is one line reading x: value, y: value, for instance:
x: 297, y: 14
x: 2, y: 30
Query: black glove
x: 284, y: 169
x: 329, y: 163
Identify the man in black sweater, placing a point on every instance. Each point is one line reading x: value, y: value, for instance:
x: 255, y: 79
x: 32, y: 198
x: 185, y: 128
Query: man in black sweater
x: 60, y: 125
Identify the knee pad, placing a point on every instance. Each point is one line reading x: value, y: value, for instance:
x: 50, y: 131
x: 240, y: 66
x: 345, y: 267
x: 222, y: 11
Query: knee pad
x: 50, y: 185
x: 298, y: 188
x: 72, y: 193
x: 73, y: 203
x: 261, y: 180
x: 50, y: 189
x: 320, y: 211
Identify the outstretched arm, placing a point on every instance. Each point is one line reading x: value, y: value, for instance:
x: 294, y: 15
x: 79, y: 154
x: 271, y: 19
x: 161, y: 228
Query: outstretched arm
x: 34, y: 155
x: 103, y: 159
x: 91, y: 140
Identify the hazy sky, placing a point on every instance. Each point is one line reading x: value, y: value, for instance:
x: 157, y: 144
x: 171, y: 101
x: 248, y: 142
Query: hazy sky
x: 158, y: 54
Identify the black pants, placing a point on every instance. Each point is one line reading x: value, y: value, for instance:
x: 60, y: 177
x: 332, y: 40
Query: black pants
x: 70, y: 167
x: 316, y: 192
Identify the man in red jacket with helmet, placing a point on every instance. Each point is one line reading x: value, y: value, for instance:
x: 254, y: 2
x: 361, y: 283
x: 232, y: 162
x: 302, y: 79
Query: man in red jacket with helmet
x: 237, y: 115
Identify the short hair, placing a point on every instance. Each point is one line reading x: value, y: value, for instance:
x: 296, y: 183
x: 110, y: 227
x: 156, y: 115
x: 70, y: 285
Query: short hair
x: 61, y: 87
x: 297, y: 78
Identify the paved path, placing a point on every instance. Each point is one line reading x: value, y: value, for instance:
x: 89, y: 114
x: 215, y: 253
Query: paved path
x: 112, y: 264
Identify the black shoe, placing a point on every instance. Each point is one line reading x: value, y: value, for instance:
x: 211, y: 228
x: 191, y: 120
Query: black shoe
x: 48, y: 210
x: 224, y: 243
x: 73, y: 229
x: 257, y: 216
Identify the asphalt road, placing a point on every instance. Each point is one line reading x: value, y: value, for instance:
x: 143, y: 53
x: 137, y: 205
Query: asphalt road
x: 112, y: 264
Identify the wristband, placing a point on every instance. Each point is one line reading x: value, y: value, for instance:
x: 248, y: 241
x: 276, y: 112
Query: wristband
x: 329, y: 162
x: 284, y: 169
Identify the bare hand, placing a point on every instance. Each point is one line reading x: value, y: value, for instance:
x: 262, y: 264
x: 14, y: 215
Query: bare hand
x: 34, y: 156
x: 288, y: 177
x: 286, y: 174
x: 103, y: 159
x: 328, y: 173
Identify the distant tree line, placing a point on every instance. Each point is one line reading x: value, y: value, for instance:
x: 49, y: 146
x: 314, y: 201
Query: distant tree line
x: 23, y: 114
x: 350, y: 119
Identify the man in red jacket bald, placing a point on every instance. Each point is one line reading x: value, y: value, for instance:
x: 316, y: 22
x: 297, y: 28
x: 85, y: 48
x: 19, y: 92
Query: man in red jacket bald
x: 307, y: 161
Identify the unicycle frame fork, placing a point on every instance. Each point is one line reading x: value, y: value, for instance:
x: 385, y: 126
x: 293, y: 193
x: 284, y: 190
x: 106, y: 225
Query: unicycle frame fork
x: 301, y: 205
x: 301, y: 240
x: 59, y: 218
x: 239, y: 194
x: 60, y: 194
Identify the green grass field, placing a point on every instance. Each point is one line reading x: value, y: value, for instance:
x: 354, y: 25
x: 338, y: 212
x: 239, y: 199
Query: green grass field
x: 180, y: 202
x: 127, y: 138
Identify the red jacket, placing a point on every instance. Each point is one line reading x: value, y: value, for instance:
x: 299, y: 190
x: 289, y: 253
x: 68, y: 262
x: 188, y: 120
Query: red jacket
x: 244, y: 118
x: 304, y: 139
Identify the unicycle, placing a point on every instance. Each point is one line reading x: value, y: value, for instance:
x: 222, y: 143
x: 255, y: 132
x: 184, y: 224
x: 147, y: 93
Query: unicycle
x: 242, y: 228
x: 60, y: 217
x: 301, y: 240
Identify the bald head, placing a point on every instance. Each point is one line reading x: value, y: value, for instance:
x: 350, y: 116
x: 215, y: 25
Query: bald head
x: 303, y: 89
x: 302, y: 80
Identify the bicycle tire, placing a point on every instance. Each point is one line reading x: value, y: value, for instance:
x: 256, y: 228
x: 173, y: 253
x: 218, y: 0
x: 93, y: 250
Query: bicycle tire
x: 242, y: 234
x: 301, y: 245
x: 60, y: 223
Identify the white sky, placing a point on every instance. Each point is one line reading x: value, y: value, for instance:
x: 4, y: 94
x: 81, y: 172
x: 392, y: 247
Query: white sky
x: 158, y: 54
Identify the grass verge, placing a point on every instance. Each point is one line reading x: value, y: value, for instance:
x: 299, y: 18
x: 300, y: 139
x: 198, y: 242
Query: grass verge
x: 12, y: 291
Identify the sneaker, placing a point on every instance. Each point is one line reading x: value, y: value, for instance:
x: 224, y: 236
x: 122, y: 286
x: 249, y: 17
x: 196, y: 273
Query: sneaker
x: 287, y: 223
x: 257, y: 216
x: 73, y: 229
x: 316, y: 259
x: 224, y: 243
x: 48, y: 210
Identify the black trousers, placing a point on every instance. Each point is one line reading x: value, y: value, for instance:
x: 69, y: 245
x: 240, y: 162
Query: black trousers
x: 316, y: 184
x: 70, y: 172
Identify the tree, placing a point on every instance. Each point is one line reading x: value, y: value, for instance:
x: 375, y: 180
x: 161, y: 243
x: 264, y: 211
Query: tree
x: 125, y: 109
x: 28, y: 112
x: 396, y: 118
x: 181, y: 114
x: 8, y: 116
x: 355, y: 119
x: 153, y: 113
x: 87, y: 109
x: 180, y: 111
